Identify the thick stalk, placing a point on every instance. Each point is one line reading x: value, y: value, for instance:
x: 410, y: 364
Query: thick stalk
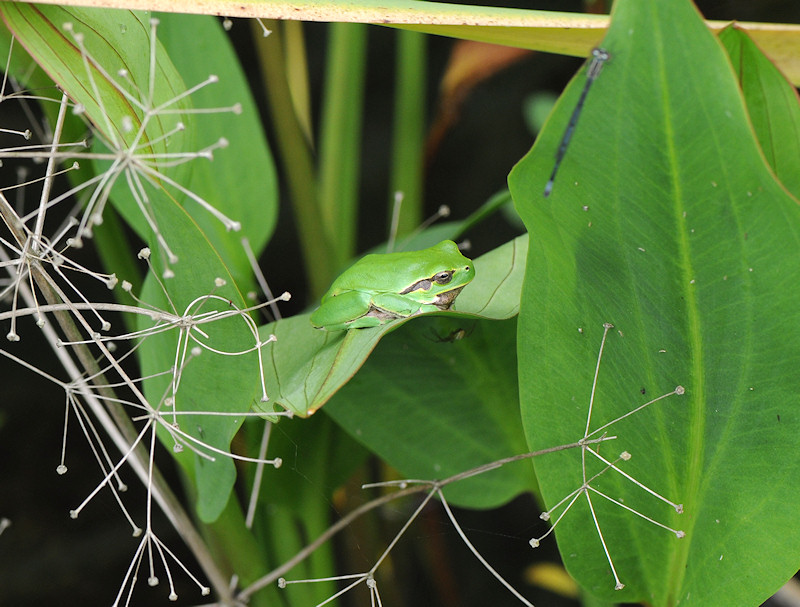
x: 298, y: 163
x: 408, y: 141
x: 340, y: 136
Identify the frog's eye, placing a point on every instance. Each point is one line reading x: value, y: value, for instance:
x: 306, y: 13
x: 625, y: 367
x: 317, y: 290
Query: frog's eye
x: 442, y: 278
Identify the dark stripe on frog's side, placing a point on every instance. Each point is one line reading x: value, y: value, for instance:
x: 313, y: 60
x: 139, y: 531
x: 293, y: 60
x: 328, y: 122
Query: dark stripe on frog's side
x: 426, y: 283
x: 443, y: 301
x: 380, y: 313
x: 420, y: 285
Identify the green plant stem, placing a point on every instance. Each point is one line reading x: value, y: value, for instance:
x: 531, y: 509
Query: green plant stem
x: 409, y: 129
x: 230, y: 540
x: 340, y: 136
x: 298, y: 163
x: 297, y: 76
x: 287, y: 532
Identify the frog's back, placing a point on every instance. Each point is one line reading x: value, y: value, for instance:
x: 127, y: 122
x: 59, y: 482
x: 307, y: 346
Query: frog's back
x: 381, y: 272
x: 393, y: 272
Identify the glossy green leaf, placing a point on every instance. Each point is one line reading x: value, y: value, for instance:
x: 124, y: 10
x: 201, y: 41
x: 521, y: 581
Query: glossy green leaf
x: 116, y: 41
x: 440, y: 397
x: 212, y: 382
x: 306, y: 366
x: 665, y: 221
x: 86, y: 52
x: 30, y: 77
x: 241, y: 180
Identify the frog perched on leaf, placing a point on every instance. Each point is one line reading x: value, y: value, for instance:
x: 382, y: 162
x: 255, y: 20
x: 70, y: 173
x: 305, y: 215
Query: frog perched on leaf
x: 380, y: 288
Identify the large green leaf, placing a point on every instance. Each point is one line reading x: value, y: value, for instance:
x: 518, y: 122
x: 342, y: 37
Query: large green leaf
x: 85, y: 52
x: 243, y: 185
x: 306, y: 366
x: 666, y: 221
x: 440, y: 397
x: 211, y: 383
x: 31, y: 77
x: 116, y: 41
x: 241, y: 180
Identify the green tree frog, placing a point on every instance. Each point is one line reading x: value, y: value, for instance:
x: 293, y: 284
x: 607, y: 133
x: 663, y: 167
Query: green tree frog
x: 380, y: 288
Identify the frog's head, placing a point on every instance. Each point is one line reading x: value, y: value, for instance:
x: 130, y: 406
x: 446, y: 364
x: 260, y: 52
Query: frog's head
x: 447, y: 273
